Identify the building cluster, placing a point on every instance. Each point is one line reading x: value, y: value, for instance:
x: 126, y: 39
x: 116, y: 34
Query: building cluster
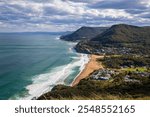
x: 106, y: 74
x: 112, y: 50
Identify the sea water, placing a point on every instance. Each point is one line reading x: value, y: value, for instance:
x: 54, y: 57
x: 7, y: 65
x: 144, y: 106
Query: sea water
x: 33, y: 63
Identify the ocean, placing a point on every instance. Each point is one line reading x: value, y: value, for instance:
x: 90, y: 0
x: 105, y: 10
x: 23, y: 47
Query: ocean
x: 33, y: 63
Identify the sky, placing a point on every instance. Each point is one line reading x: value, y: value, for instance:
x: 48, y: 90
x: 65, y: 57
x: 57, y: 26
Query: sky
x: 68, y: 15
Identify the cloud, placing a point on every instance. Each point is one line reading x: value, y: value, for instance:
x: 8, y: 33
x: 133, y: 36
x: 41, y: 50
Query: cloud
x: 120, y: 4
x: 62, y: 15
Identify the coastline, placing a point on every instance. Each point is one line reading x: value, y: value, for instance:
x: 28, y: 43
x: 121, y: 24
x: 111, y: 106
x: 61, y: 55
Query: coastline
x: 88, y: 69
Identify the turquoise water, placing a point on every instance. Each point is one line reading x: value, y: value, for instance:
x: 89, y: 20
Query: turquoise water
x: 31, y: 64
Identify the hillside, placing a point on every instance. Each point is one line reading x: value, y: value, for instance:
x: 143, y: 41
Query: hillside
x: 123, y: 33
x: 83, y: 33
x: 126, y: 68
x: 117, y: 36
x: 117, y: 87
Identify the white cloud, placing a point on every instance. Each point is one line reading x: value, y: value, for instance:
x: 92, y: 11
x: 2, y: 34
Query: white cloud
x: 145, y: 2
x: 44, y: 15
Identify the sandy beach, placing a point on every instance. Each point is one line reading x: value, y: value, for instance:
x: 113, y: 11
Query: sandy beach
x: 89, y: 68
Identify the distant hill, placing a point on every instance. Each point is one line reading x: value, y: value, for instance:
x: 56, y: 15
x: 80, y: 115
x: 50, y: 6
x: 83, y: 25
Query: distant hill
x: 83, y: 33
x: 121, y: 35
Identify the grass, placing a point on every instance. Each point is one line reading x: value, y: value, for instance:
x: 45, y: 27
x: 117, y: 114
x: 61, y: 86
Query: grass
x: 103, y: 96
x: 87, y: 89
x: 140, y: 69
x: 113, y: 89
x: 115, y: 55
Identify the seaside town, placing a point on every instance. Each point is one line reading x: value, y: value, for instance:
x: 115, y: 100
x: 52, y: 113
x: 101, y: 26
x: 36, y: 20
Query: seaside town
x: 119, y: 67
x: 111, y: 76
x: 107, y: 74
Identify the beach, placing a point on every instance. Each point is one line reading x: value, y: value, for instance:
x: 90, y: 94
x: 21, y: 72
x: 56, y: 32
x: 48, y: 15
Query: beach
x: 89, y: 68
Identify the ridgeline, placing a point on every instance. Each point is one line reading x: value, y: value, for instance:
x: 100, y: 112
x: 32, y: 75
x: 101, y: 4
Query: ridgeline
x: 83, y: 33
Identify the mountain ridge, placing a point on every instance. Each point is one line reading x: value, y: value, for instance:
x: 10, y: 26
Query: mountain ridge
x: 123, y: 33
x: 83, y: 33
x: 118, y: 36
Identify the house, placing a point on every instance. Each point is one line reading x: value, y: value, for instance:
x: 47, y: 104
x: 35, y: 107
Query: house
x: 103, y: 78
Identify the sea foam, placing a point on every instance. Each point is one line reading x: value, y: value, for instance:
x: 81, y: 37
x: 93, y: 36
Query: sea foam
x: 45, y: 82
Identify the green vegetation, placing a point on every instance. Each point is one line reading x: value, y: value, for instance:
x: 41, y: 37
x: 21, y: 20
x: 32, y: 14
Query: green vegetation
x: 115, y: 88
x: 125, y: 83
x: 124, y: 34
x: 127, y: 62
x: 127, y: 39
x: 127, y: 68
x: 140, y: 69
x: 83, y: 33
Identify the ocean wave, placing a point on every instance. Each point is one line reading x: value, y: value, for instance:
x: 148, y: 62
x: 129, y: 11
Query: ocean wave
x: 45, y: 82
x: 57, y: 38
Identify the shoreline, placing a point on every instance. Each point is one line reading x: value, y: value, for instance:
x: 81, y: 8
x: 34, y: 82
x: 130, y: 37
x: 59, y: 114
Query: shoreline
x: 88, y: 69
